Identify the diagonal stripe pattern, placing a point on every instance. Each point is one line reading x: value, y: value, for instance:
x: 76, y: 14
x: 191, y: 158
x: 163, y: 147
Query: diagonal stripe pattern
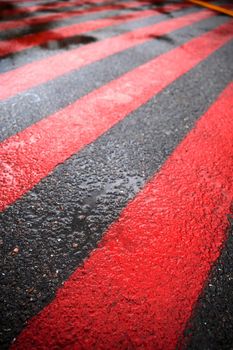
x: 155, y: 243
x: 112, y: 169
x: 6, y: 25
x: 35, y: 73
x: 138, y: 288
x: 59, y: 136
x: 28, y: 41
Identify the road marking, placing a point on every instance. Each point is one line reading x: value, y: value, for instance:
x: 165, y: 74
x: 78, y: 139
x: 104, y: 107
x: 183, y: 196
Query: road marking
x: 64, y: 15
x: 39, y: 72
x: 28, y: 41
x: 138, y: 288
x: 33, y: 153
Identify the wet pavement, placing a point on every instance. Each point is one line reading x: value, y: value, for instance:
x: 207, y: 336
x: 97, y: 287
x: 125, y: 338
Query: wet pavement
x: 99, y: 102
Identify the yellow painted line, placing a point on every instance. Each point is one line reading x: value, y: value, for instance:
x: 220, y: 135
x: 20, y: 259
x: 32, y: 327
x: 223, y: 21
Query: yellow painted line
x: 213, y: 7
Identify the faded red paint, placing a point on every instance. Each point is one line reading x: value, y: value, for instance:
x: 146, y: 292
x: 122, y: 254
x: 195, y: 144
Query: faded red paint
x: 138, y: 288
x: 50, y: 68
x: 29, y: 156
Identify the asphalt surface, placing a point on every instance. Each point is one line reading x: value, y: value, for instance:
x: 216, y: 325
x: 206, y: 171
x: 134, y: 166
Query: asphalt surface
x: 50, y: 231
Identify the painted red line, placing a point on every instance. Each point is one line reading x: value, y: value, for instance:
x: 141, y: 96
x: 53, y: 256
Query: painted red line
x: 30, y: 155
x: 60, y: 16
x: 30, y: 40
x: 138, y: 289
x: 39, y: 72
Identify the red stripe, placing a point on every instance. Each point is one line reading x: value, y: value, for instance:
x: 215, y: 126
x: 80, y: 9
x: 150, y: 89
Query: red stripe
x: 50, y: 68
x: 51, y: 18
x: 28, y: 41
x: 138, y: 289
x: 30, y: 155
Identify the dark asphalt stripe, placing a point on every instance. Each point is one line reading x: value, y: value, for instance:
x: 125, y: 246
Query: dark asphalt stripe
x: 13, y: 46
x: 30, y: 57
x: 24, y: 109
x: 137, y: 289
x: 64, y: 14
x: 55, y: 138
x: 211, y: 325
x: 61, y: 220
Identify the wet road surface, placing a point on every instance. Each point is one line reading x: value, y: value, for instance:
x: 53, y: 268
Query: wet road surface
x: 116, y: 175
